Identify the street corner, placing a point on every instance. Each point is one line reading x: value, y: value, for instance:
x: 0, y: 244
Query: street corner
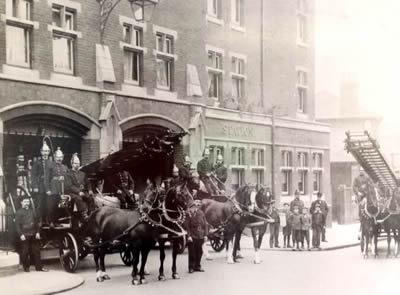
x: 34, y: 282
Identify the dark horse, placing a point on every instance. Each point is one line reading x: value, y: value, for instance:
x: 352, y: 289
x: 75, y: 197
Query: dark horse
x: 138, y: 229
x: 391, y: 219
x: 258, y: 218
x: 227, y: 215
x: 368, y: 212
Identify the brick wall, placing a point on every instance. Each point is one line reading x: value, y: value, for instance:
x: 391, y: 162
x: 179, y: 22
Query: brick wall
x: 90, y: 150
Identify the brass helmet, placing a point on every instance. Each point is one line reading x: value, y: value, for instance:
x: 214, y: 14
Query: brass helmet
x: 220, y: 159
x: 175, y: 171
x: 45, y: 150
x: 59, y: 155
x: 75, y: 160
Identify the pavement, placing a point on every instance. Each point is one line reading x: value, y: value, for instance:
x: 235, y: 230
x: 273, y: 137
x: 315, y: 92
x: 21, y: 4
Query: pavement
x: 57, y: 280
x: 338, y: 237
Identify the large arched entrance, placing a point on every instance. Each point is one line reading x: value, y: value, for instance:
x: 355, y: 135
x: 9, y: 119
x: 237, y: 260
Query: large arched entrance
x: 26, y: 125
x: 135, y: 129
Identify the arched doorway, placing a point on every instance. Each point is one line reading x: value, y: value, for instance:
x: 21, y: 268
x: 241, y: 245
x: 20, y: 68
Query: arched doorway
x: 134, y: 130
x: 24, y: 127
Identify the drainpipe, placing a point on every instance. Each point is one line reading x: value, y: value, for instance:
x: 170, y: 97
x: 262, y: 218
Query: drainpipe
x: 273, y: 151
x: 262, y: 55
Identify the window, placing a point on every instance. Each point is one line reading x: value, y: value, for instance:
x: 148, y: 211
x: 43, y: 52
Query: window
x: 258, y: 157
x: 215, y: 151
x: 64, y: 39
x: 238, y: 156
x: 18, y: 33
x: 259, y: 177
x: 286, y: 172
x: 237, y: 12
x: 237, y: 178
x: 214, y: 8
x: 318, y: 160
x: 133, y: 56
x: 302, y: 182
x: 238, y: 78
x: 302, y: 159
x: 286, y: 158
x: 215, y: 62
x: 165, y: 62
x: 317, y: 181
x: 286, y: 181
x: 301, y: 21
x: 302, y: 85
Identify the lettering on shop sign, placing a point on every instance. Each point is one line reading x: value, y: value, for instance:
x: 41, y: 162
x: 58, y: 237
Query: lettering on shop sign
x: 238, y: 131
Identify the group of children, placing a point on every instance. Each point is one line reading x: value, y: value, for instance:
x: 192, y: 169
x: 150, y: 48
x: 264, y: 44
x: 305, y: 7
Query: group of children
x: 298, y: 225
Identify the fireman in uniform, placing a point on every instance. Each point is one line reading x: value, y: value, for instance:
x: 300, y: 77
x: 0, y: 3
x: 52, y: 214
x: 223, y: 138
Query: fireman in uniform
x: 41, y: 181
x: 79, y: 189
x: 58, y: 175
x: 122, y: 183
x: 360, y: 184
x: 221, y: 172
x: 186, y: 177
x: 204, y: 169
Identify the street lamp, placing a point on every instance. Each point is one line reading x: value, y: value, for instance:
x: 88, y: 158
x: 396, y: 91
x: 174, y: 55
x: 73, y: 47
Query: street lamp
x: 143, y: 9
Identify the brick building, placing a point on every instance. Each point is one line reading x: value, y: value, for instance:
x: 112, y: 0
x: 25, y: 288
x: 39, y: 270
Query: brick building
x: 216, y: 69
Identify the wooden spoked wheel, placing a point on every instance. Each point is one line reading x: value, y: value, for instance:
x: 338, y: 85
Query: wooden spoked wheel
x: 69, y: 253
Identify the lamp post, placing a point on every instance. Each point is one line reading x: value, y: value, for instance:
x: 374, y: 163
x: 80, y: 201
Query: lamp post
x: 142, y: 11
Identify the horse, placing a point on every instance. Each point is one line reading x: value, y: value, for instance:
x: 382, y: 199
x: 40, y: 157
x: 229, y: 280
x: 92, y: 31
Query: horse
x: 391, y: 220
x: 258, y: 218
x: 227, y: 216
x: 138, y: 229
x: 368, y: 212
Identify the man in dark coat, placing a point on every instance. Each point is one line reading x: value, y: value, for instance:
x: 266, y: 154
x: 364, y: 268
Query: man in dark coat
x: 27, y: 227
x: 221, y: 172
x: 204, y: 170
x: 324, y: 209
x: 197, y: 229
x: 360, y: 184
x: 317, y: 223
x: 41, y: 181
x: 122, y: 183
x: 79, y: 189
x: 296, y: 202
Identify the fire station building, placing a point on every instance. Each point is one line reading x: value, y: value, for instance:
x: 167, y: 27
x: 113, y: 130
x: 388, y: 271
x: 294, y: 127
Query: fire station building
x: 236, y: 75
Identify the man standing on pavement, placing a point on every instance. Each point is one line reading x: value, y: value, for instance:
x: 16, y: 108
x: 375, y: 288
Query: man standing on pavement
x: 296, y: 202
x: 197, y: 229
x: 317, y: 223
x: 204, y: 169
x: 41, y: 182
x: 221, y: 172
x: 27, y: 226
x: 58, y: 174
x: 324, y: 209
x: 274, y: 227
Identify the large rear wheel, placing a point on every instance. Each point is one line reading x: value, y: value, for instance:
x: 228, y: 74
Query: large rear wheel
x: 69, y: 253
x: 217, y: 244
x: 126, y: 255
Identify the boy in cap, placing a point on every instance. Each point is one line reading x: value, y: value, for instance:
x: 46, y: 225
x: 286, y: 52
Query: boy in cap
x: 274, y: 227
x: 295, y: 221
x: 27, y: 226
x: 287, y: 228
x: 305, y: 228
x: 197, y: 229
x: 317, y: 224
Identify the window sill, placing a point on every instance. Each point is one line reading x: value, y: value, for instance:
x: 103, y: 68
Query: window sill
x: 215, y: 70
x: 318, y: 169
x: 285, y: 168
x: 237, y: 76
x: 257, y: 168
x: 9, y: 20
x: 215, y: 20
x: 302, y: 169
x: 302, y: 44
x: 165, y: 94
x: 301, y: 115
x: 63, y: 31
x: 157, y: 53
x: 132, y: 88
x: 66, y: 79
x: 21, y: 72
x: 127, y: 46
x: 238, y: 28
x: 237, y: 167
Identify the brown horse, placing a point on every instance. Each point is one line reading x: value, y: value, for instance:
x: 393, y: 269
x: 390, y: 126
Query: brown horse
x: 228, y: 215
x: 391, y: 220
x: 138, y: 229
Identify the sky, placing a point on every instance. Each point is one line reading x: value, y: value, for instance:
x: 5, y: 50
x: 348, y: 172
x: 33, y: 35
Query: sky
x: 362, y: 37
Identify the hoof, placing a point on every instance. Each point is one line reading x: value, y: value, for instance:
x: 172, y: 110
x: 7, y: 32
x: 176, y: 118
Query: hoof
x: 106, y: 277
x: 143, y: 281
x: 175, y: 276
x: 99, y: 279
x: 161, y: 278
x: 135, y: 282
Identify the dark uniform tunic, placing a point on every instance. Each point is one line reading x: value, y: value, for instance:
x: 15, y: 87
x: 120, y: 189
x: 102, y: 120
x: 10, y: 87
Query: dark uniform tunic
x: 324, y: 209
x: 203, y: 168
x: 58, y: 186
x: 222, y: 174
x: 78, y: 183
x: 296, y: 203
x: 360, y: 184
x: 274, y: 228
x: 27, y: 224
x: 197, y: 229
x: 123, y: 181
x: 41, y: 181
x: 317, y: 224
